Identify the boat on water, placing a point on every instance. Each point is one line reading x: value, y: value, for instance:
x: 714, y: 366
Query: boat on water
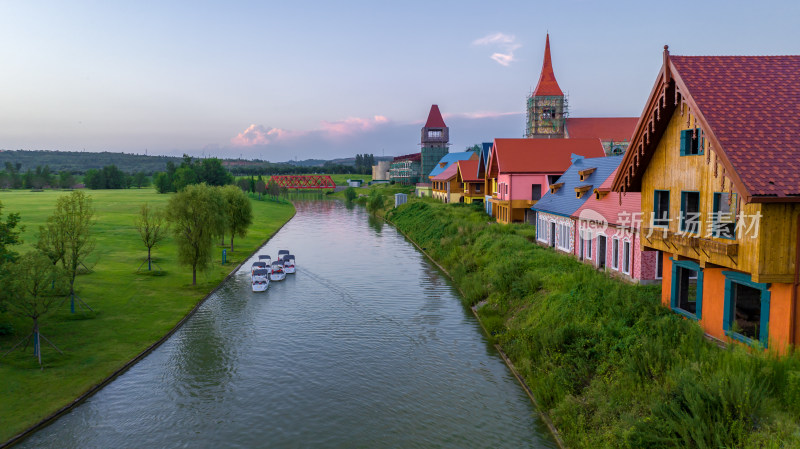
x: 260, y: 279
x: 265, y: 258
x: 277, y: 273
x: 281, y: 253
x: 258, y: 265
x: 288, y: 263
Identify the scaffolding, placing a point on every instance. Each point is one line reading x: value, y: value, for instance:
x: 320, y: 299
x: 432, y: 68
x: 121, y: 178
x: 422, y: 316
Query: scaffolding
x: 546, y: 116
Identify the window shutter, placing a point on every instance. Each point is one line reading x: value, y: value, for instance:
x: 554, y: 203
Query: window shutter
x: 686, y: 143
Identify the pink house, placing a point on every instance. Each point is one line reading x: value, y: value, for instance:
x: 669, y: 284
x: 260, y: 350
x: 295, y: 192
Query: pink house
x: 520, y: 171
x: 607, y: 235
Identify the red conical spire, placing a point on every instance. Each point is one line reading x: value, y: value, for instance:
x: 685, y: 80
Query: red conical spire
x: 547, y: 86
x: 435, y: 119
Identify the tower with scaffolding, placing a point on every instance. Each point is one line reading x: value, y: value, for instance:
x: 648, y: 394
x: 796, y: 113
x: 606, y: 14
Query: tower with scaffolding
x: 547, y: 106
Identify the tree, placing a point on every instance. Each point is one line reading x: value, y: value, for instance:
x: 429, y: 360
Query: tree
x: 243, y: 184
x: 239, y: 212
x: 152, y: 227
x: 9, y: 235
x: 195, y: 214
x: 140, y: 180
x: 72, y: 227
x: 66, y: 180
x: 350, y: 194
x: 28, y: 289
x: 184, y: 176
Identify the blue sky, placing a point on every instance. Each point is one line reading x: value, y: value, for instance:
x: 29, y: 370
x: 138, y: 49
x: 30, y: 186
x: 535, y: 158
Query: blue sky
x: 306, y: 79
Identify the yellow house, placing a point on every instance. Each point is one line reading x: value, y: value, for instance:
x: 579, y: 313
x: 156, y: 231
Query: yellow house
x: 716, y: 157
x: 471, y: 184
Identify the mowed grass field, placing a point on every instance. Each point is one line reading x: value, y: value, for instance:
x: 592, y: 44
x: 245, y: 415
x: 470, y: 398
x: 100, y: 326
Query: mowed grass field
x: 132, y: 310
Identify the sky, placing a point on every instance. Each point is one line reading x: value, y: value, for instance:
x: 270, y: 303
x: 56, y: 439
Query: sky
x: 306, y: 79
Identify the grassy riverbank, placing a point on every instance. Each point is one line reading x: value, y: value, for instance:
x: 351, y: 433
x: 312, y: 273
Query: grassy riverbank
x: 132, y: 309
x: 609, y: 364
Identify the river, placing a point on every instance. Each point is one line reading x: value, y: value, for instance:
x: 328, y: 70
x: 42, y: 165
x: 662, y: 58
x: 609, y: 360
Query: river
x: 367, y: 345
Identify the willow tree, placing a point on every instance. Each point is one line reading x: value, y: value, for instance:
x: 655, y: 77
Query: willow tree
x: 238, y: 212
x: 29, y: 292
x: 152, y: 227
x: 196, y: 213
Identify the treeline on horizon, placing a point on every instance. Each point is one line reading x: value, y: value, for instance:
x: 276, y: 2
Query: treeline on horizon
x: 79, y: 163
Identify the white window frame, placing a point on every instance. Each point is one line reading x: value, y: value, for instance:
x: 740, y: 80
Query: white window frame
x: 615, y: 257
x: 629, y: 259
x: 588, y: 245
x: 563, y: 231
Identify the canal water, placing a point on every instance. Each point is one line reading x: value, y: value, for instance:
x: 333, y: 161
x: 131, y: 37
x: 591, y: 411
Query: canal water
x: 366, y: 346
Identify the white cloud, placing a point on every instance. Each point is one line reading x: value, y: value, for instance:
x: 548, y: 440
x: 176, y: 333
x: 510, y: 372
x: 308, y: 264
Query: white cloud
x: 260, y: 135
x: 506, y: 43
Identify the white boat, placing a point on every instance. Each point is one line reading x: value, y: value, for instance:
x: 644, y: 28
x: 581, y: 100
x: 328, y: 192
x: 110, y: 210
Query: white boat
x: 260, y: 279
x: 265, y: 258
x: 259, y: 265
x: 281, y: 253
x: 288, y: 263
x: 277, y: 273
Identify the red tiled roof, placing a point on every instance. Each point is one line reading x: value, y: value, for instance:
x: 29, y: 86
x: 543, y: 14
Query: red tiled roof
x: 603, y: 128
x: 547, y: 85
x: 752, y: 105
x: 408, y: 157
x: 469, y: 170
x: 447, y: 174
x: 541, y: 155
x: 435, y: 119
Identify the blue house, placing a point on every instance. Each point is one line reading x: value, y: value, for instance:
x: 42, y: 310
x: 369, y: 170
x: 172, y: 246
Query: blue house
x: 554, y: 225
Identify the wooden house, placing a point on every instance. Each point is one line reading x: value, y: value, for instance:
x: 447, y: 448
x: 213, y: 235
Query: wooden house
x: 608, y: 235
x: 520, y: 171
x: 716, y: 157
x: 445, y: 186
x: 471, y: 185
x: 555, y: 226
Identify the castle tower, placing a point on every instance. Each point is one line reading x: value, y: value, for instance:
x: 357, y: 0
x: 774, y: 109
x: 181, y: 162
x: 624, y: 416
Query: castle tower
x: 547, y: 105
x: 435, y: 140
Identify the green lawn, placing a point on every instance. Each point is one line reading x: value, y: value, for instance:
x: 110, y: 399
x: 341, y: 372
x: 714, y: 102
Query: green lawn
x: 131, y: 310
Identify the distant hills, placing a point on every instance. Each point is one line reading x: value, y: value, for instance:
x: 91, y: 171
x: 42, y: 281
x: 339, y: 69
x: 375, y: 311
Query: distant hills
x: 80, y: 162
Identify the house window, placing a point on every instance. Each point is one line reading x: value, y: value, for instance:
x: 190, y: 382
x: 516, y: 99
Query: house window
x: 563, y: 231
x: 434, y: 133
x: 686, y: 296
x: 626, y: 257
x: 723, y: 219
x: 580, y: 252
x: 746, y: 312
x: 536, y: 191
x: 691, y: 142
x: 615, y: 253
x: 552, y: 179
x: 661, y: 208
x: 690, y: 212
x: 589, y: 245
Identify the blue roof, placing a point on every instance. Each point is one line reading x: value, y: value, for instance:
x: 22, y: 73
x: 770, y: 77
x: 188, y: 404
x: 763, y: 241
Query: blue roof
x: 565, y: 201
x: 449, y: 159
x: 487, y: 148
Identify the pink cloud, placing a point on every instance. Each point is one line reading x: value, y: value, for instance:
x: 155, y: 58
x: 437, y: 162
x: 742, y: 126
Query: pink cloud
x: 262, y: 135
x: 482, y: 114
x: 352, y: 125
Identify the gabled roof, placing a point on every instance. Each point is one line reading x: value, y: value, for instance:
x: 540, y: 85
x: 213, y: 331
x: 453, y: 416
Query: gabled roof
x: 609, y: 206
x: 547, y: 85
x: 540, y: 155
x: 468, y: 170
x: 483, y: 161
x: 604, y: 128
x: 447, y: 174
x: 564, y: 201
x: 449, y: 159
x: 748, y: 109
x: 435, y: 119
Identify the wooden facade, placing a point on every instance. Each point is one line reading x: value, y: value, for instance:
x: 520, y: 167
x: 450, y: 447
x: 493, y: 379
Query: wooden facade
x: 729, y: 251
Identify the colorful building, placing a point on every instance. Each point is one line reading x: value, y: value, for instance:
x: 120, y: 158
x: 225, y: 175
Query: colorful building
x: 608, y: 237
x: 471, y: 185
x: 520, y: 171
x: 716, y: 157
x: 444, y: 184
x: 555, y: 226
x: 548, y: 115
x: 406, y: 169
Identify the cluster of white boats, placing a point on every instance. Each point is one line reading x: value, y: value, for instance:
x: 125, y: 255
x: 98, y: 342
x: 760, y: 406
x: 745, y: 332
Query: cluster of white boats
x: 265, y: 269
